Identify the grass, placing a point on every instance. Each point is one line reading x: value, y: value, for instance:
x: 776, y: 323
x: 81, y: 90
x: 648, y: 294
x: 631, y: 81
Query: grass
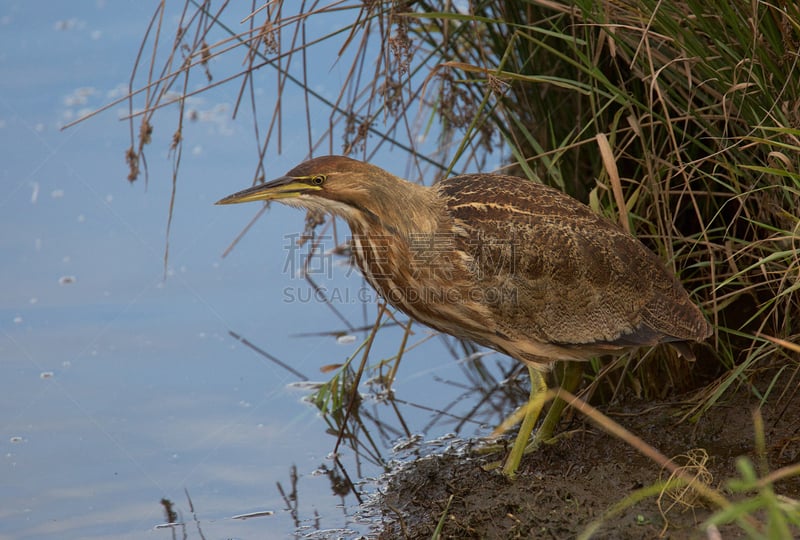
x: 679, y: 120
x: 753, y: 504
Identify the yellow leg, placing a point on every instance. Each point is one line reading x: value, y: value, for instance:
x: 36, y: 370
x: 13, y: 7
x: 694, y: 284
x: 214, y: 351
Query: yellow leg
x: 569, y: 380
x: 533, y: 410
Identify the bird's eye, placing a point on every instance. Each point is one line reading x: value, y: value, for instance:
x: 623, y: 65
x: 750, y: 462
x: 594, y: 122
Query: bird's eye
x: 318, y: 179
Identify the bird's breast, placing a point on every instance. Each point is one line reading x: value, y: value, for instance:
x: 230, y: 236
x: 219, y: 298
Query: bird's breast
x: 423, y: 276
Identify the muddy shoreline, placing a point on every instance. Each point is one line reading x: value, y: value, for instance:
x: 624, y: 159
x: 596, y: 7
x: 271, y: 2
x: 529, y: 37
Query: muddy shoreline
x: 564, y: 487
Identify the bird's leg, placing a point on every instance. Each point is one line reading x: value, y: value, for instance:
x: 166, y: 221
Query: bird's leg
x: 569, y: 380
x: 533, y: 409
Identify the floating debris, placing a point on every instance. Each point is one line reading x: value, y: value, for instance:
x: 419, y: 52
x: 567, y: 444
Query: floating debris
x: 323, y: 534
x: 169, y: 525
x: 253, y: 514
x: 306, y: 385
x: 406, y: 443
x: 345, y: 339
x: 327, y: 368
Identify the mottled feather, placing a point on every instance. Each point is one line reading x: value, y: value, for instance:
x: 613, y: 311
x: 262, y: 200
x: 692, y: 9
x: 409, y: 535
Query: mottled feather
x: 503, y: 261
x: 562, y: 274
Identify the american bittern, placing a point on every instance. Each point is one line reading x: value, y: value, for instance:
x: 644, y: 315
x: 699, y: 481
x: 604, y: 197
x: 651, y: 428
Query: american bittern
x: 505, y: 262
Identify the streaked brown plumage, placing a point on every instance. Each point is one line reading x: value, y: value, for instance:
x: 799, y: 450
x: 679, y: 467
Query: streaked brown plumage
x: 502, y: 261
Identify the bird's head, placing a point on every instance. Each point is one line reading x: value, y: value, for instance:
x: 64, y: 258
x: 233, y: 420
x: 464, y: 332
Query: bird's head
x: 354, y: 190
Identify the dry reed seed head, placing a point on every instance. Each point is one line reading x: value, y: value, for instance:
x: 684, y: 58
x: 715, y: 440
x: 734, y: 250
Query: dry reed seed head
x: 177, y: 138
x: 205, y: 53
x: 498, y: 85
x: 392, y: 91
x: 145, y: 132
x: 400, y: 45
x: 356, y: 131
x: 132, y: 159
x: 372, y: 5
x: 314, y: 218
x: 267, y: 36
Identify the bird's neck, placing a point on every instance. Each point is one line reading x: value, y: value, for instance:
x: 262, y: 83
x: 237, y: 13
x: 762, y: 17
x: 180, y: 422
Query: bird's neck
x: 406, y: 209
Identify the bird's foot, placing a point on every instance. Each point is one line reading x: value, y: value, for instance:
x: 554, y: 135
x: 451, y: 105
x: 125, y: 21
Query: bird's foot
x: 542, y: 438
x: 488, y: 447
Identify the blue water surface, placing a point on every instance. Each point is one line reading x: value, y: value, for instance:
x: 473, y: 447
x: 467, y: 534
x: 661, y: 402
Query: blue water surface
x: 120, y: 383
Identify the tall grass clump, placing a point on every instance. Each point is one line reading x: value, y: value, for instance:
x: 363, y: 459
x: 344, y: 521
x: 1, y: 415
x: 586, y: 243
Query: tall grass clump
x: 680, y: 120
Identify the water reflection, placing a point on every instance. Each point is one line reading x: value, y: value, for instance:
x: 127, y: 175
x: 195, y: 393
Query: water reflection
x: 121, y: 388
x: 372, y: 431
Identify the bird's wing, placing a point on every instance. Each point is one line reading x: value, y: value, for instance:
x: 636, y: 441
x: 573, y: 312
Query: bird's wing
x: 556, y: 272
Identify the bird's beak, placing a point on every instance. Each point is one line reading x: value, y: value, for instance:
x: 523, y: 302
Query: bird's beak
x: 280, y: 188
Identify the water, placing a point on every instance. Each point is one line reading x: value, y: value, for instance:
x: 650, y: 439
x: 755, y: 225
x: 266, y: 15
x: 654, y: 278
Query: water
x: 121, y: 385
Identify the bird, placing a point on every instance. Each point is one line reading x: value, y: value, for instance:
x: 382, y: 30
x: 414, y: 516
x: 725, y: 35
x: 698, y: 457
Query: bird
x: 505, y: 262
